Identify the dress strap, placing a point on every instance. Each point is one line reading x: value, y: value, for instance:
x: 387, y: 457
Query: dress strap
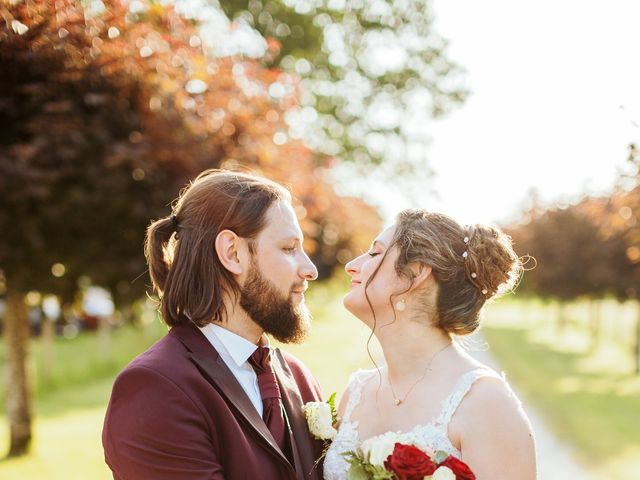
x: 453, y: 401
x: 354, y: 388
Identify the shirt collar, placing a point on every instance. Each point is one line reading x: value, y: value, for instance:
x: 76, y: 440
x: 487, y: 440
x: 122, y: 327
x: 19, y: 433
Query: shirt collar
x: 238, y: 348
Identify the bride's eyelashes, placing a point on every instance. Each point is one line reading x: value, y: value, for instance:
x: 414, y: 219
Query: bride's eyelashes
x: 373, y: 254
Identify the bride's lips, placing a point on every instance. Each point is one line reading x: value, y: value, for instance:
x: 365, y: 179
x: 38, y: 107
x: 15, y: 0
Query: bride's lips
x: 355, y: 282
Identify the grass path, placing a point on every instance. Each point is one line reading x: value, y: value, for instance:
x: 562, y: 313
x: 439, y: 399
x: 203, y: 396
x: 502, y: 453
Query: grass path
x: 66, y: 444
x: 589, y: 397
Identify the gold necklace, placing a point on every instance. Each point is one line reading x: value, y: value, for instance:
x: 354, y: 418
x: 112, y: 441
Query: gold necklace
x: 399, y: 401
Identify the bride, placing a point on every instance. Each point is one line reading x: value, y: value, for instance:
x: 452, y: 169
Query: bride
x: 422, y: 284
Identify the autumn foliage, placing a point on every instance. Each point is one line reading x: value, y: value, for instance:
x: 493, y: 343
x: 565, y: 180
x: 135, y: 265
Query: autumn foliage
x: 105, y: 114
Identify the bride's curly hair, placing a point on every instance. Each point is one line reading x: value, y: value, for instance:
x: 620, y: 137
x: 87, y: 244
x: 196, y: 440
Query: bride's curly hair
x: 470, y: 265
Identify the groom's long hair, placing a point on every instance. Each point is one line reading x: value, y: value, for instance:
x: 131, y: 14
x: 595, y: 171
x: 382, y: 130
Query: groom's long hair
x: 180, y: 249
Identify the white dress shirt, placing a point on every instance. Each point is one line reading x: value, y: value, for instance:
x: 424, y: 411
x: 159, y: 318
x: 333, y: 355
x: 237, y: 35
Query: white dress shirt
x: 235, y: 352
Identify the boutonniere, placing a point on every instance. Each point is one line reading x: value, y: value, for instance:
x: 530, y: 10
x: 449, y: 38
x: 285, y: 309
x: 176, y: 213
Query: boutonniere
x: 321, y: 418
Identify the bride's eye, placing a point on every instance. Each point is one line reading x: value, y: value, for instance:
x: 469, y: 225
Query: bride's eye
x: 373, y: 254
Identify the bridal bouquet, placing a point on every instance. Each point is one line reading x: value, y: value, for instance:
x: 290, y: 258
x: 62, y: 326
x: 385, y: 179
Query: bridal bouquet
x: 386, y: 457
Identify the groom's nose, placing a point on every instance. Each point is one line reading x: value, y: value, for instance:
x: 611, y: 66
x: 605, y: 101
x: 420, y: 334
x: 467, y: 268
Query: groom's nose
x: 308, y: 270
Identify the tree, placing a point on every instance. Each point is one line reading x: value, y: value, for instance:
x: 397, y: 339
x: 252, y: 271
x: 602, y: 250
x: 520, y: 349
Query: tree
x: 622, y: 223
x: 588, y: 249
x: 105, y: 115
x: 371, y: 73
x: 574, y: 258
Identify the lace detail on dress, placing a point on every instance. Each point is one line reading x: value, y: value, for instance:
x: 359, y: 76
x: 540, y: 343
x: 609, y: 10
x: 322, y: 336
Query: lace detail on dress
x: 451, y: 403
x: 356, y: 382
x: 433, y: 435
x: 335, y: 465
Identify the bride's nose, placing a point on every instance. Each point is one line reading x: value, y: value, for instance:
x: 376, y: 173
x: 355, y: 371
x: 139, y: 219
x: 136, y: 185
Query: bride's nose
x: 351, y: 267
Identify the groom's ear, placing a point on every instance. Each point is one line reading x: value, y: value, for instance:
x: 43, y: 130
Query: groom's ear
x: 230, y: 249
x: 422, y: 275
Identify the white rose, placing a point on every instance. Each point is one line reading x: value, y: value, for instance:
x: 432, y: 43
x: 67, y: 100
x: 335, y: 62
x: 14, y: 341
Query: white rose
x: 443, y: 473
x: 379, y: 448
x: 320, y: 420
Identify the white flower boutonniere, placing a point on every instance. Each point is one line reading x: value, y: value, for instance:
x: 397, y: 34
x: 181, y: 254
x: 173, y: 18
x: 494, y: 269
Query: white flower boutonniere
x: 321, y: 418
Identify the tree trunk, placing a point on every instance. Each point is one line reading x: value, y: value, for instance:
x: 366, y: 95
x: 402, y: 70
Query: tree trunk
x: 17, y: 389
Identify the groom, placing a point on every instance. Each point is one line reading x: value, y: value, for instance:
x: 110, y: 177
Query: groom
x: 213, y: 400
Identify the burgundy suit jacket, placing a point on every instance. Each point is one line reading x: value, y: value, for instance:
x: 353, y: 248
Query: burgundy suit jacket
x: 178, y: 413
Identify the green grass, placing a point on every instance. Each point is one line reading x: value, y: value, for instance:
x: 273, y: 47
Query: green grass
x: 66, y: 443
x: 588, y: 395
x: 69, y: 404
x: 86, y: 357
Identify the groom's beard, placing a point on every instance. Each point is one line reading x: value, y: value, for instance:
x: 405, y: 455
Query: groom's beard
x: 276, y: 314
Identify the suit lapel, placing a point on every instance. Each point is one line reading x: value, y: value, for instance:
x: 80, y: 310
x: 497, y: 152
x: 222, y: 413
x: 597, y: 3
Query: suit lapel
x: 301, y: 442
x: 213, y: 368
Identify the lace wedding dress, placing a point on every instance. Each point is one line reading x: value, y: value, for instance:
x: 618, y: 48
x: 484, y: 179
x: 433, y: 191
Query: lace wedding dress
x: 433, y: 434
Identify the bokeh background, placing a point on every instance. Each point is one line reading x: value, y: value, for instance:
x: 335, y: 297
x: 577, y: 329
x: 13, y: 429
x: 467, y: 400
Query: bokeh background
x: 525, y: 116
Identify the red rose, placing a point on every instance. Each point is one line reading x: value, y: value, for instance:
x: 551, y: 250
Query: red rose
x: 409, y: 463
x: 462, y: 471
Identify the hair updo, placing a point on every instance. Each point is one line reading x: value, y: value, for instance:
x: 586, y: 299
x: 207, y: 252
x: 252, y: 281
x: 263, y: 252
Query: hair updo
x: 470, y: 265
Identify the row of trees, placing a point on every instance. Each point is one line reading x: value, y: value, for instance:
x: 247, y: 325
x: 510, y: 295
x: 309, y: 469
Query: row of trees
x: 590, y: 249
x: 109, y: 107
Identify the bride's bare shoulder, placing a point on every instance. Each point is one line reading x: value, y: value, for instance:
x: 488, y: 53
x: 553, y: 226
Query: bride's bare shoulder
x: 490, y: 393
x: 491, y: 421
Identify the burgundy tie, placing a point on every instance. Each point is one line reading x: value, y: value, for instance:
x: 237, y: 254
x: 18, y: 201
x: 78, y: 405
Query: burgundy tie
x: 260, y: 360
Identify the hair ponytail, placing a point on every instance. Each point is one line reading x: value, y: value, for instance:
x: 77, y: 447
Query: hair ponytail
x: 155, y: 246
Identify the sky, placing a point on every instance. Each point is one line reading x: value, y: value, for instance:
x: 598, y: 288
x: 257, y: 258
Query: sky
x: 555, y: 102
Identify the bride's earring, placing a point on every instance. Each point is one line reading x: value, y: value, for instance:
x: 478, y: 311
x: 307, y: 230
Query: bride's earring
x: 400, y: 305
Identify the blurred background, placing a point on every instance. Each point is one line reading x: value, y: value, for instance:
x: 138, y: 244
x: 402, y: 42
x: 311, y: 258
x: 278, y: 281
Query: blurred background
x: 524, y: 116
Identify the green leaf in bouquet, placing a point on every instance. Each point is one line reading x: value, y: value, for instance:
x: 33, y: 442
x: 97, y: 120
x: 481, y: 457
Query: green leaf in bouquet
x: 357, y: 472
x: 440, y: 456
x: 351, y: 456
x: 332, y: 405
x: 379, y: 473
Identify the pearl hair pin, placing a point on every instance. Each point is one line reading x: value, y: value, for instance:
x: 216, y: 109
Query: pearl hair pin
x: 474, y: 275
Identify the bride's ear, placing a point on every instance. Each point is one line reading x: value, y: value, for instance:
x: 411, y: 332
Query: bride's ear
x: 422, y: 273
